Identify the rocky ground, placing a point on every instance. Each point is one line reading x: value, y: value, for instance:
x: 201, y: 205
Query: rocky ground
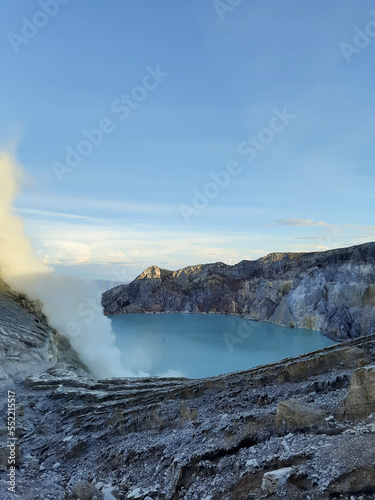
x: 331, y: 291
x: 303, y: 428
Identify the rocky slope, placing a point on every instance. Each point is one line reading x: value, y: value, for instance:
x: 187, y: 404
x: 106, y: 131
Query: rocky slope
x: 27, y: 343
x: 331, y: 291
x: 302, y: 428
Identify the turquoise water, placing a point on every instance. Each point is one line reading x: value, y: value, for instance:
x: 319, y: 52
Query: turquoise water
x: 200, y: 345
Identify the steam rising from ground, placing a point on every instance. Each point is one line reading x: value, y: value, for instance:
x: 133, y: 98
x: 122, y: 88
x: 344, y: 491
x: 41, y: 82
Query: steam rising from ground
x: 63, y: 297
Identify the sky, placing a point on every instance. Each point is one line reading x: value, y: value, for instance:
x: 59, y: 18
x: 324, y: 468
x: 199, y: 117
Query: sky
x: 173, y: 133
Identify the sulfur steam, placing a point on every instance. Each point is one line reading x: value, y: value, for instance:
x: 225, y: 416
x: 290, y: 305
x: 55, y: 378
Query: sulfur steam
x: 90, y: 335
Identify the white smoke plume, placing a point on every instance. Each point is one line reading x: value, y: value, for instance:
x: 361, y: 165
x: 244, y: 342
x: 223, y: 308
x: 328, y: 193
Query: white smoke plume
x: 94, y: 341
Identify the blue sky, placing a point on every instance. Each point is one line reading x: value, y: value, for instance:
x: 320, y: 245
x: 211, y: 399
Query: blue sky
x: 220, y: 77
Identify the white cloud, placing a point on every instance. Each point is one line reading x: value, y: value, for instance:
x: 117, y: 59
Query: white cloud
x: 66, y: 242
x: 308, y: 248
x: 302, y: 222
x: 89, y: 244
x: 50, y: 214
x: 70, y: 205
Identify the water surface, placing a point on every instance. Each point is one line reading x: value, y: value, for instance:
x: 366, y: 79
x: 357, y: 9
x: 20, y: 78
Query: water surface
x: 204, y: 345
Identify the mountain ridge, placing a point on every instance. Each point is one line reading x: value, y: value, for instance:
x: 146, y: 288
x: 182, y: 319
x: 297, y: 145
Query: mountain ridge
x: 331, y: 291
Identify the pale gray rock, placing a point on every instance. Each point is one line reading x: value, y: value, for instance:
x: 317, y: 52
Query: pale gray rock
x: 275, y: 480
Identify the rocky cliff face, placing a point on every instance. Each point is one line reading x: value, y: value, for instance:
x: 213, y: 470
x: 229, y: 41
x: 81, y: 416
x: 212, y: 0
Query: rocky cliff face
x: 297, y: 429
x: 331, y: 291
x: 27, y: 343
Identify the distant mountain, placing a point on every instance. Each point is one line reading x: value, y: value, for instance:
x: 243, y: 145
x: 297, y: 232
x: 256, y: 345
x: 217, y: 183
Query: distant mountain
x: 332, y: 291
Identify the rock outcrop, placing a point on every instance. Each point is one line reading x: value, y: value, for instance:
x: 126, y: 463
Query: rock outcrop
x: 296, y: 415
x: 361, y: 397
x: 332, y: 291
x: 180, y: 439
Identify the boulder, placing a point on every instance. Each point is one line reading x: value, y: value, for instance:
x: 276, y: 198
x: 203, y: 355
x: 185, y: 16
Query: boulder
x: 295, y: 415
x: 86, y: 491
x: 274, y: 480
x: 361, y: 397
